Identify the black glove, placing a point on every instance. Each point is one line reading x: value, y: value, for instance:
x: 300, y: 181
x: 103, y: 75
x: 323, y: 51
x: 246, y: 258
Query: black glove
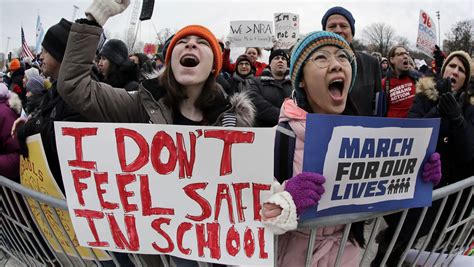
x: 449, y: 109
x: 443, y: 85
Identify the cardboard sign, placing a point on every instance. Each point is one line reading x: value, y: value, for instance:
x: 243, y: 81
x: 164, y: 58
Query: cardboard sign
x: 35, y: 174
x: 287, y: 29
x: 370, y: 163
x: 251, y: 33
x: 426, y: 34
x: 191, y: 192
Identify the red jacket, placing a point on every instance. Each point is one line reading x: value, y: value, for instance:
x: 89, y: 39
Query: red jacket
x: 400, y: 96
x: 230, y: 67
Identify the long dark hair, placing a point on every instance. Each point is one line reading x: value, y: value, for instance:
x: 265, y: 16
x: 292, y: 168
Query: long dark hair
x: 175, y: 92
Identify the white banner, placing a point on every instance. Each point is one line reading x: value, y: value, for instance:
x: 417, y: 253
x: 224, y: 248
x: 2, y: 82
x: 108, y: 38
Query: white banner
x: 251, y: 33
x: 191, y: 192
x: 426, y: 34
x: 287, y: 29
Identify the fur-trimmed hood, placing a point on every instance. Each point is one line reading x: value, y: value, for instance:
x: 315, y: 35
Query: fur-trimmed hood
x: 243, y: 109
x: 427, y: 87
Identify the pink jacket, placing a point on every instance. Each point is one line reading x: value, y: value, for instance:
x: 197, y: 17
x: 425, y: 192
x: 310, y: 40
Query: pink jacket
x: 292, y: 246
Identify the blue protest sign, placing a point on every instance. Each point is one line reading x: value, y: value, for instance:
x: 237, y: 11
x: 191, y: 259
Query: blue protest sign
x: 370, y: 163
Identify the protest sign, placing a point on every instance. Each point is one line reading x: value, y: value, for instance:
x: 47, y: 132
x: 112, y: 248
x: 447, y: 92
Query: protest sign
x: 188, y: 191
x: 35, y: 174
x: 251, y: 33
x: 287, y: 29
x: 426, y: 39
x: 370, y: 164
x: 150, y: 49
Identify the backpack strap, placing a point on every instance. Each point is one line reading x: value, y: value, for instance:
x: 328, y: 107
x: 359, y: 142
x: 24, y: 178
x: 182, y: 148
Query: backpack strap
x: 285, y: 141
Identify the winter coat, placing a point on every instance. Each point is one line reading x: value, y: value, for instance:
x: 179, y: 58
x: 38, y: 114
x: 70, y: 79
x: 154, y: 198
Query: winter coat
x: 367, y: 83
x: 268, y: 96
x: 102, y: 103
x: 33, y: 103
x: 400, y: 93
x: 52, y: 108
x: 10, y: 110
x: 292, y: 246
x: 238, y: 84
x: 455, y: 144
x: 456, y: 147
x: 230, y: 67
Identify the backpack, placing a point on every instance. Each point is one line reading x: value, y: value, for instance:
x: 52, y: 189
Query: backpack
x: 284, y: 152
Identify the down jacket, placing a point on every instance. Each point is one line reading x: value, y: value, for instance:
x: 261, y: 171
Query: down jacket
x: 102, y: 103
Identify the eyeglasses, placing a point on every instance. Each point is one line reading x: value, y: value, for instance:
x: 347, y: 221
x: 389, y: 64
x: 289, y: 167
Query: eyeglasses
x: 323, y: 58
x: 402, y: 54
x: 244, y: 64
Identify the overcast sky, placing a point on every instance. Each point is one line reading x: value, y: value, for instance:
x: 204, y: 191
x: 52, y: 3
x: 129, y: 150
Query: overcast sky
x: 402, y: 15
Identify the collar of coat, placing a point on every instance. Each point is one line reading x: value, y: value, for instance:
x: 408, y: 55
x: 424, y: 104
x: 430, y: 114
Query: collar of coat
x: 427, y: 87
x: 267, y: 76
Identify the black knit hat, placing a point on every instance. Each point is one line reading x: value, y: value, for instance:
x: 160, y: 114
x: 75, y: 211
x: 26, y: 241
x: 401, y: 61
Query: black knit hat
x: 115, y: 51
x: 55, y: 39
x: 278, y: 52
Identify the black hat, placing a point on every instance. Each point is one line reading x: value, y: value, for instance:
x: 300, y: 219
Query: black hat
x: 340, y: 11
x: 115, y: 51
x: 55, y: 39
x: 278, y: 52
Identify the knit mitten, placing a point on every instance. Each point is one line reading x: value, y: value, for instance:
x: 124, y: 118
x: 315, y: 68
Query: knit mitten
x: 102, y: 10
x: 432, y: 169
x: 306, y: 189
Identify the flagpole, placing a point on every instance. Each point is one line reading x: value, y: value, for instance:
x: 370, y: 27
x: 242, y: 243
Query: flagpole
x: 8, y: 42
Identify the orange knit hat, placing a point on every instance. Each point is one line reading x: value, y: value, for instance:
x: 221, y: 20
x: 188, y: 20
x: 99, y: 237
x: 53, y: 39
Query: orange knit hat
x: 15, y: 65
x: 204, y: 33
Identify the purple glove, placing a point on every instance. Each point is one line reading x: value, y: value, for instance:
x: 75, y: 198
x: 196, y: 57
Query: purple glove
x: 432, y: 169
x: 306, y: 189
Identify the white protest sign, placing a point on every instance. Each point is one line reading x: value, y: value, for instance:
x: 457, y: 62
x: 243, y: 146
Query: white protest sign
x: 287, y: 29
x: 426, y: 34
x: 402, y: 169
x: 251, y: 33
x: 192, y: 192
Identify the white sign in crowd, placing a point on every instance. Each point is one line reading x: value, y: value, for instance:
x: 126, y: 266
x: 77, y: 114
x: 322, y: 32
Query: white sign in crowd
x: 165, y: 189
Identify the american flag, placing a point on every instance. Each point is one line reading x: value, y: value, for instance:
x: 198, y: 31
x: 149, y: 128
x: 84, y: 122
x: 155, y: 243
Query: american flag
x: 25, y: 50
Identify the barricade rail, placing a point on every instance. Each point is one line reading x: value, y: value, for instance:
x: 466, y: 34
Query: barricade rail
x: 21, y: 239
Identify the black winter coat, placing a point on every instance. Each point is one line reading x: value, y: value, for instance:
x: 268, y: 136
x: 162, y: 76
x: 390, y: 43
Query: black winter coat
x: 455, y: 143
x: 52, y: 108
x: 268, y: 96
x: 368, y: 82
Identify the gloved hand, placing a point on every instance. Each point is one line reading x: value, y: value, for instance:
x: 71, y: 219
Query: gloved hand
x: 432, y: 169
x: 449, y: 109
x: 306, y: 189
x: 227, y: 45
x: 102, y: 10
x: 443, y: 86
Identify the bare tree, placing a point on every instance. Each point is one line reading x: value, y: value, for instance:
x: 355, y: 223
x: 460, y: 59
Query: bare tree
x: 460, y: 37
x: 380, y: 37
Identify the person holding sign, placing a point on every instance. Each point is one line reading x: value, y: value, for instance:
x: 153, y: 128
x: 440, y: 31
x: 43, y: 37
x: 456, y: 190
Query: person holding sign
x: 185, y: 94
x: 254, y: 54
x: 448, y: 99
x: 323, y: 70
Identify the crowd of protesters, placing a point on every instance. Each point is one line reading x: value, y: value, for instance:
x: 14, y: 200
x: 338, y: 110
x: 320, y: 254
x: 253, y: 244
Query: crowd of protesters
x: 194, y: 82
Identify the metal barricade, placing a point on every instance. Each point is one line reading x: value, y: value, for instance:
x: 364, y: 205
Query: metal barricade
x: 21, y: 239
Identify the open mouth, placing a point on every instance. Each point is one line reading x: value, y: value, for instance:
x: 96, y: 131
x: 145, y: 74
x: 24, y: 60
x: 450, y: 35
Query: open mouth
x: 189, y: 61
x: 405, y: 63
x: 336, y: 87
x: 453, y: 81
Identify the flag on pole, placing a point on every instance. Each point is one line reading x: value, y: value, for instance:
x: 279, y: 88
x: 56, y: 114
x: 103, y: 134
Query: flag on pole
x: 39, y: 34
x: 25, y: 50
